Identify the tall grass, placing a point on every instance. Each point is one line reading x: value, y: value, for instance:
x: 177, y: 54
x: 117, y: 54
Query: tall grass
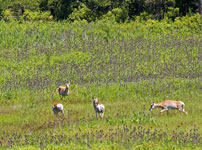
x: 42, y: 56
x: 127, y: 66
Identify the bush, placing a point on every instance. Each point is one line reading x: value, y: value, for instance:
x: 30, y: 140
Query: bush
x: 192, y: 23
x: 36, y: 16
x: 81, y: 13
x: 172, y: 13
x: 144, y: 16
x: 117, y: 14
x: 8, y: 15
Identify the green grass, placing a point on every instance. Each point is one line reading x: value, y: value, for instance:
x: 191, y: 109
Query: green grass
x: 123, y: 121
x: 127, y: 66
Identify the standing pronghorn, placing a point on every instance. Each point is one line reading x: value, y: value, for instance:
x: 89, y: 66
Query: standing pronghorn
x: 57, y: 107
x: 169, y: 104
x: 64, y: 90
x: 99, y: 108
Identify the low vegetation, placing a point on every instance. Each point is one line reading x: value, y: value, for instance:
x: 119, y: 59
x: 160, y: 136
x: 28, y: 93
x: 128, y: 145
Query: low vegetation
x: 127, y: 66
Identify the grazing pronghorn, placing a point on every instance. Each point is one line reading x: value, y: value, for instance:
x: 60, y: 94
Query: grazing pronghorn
x: 57, y: 107
x: 99, y: 108
x: 64, y: 90
x: 169, y: 104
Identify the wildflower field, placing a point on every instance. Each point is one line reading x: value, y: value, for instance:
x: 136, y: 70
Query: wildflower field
x: 127, y: 66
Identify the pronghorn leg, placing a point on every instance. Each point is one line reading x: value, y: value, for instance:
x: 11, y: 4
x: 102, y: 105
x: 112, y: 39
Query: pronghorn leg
x: 182, y: 110
x: 62, y: 112
x: 103, y: 114
x: 185, y: 112
x: 56, y: 112
x: 96, y: 114
x: 164, y: 110
x: 100, y: 115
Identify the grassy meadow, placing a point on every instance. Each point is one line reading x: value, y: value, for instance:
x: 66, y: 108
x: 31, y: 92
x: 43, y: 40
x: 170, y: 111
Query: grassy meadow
x: 127, y: 66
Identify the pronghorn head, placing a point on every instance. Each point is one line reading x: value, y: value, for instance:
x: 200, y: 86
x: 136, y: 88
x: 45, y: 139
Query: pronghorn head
x: 55, y: 109
x: 68, y: 85
x: 152, y: 106
x: 55, y: 104
x: 95, y: 101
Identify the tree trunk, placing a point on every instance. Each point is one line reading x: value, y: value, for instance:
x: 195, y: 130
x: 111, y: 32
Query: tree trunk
x: 200, y: 7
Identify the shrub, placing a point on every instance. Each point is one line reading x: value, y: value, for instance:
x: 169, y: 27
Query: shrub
x: 172, y: 13
x: 193, y: 23
x: 81, y: 13
x: 144, y: 16
x: 36, y: 16
x: 8, y: 15
x: 117, y: 14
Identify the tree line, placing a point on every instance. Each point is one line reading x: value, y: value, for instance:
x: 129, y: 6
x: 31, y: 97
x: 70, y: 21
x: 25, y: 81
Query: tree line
x: 92, y: 10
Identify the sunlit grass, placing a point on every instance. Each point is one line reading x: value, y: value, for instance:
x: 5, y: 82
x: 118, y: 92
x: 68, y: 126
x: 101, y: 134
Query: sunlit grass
x: 80, y: 121
x: 125, y: 67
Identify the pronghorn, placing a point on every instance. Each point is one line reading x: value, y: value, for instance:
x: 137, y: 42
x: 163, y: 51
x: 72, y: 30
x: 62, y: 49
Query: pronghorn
x: 99, y: 108
x: 57, y: 107
x: 64, y: 90
x: 169, y: 104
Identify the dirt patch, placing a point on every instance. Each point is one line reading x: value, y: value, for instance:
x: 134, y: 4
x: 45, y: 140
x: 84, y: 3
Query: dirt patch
x: 10, y: 109
x: 7, y: 111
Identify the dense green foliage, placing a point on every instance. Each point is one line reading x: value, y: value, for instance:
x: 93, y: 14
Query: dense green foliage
x: 127, y: 66
x: 92, y: 10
